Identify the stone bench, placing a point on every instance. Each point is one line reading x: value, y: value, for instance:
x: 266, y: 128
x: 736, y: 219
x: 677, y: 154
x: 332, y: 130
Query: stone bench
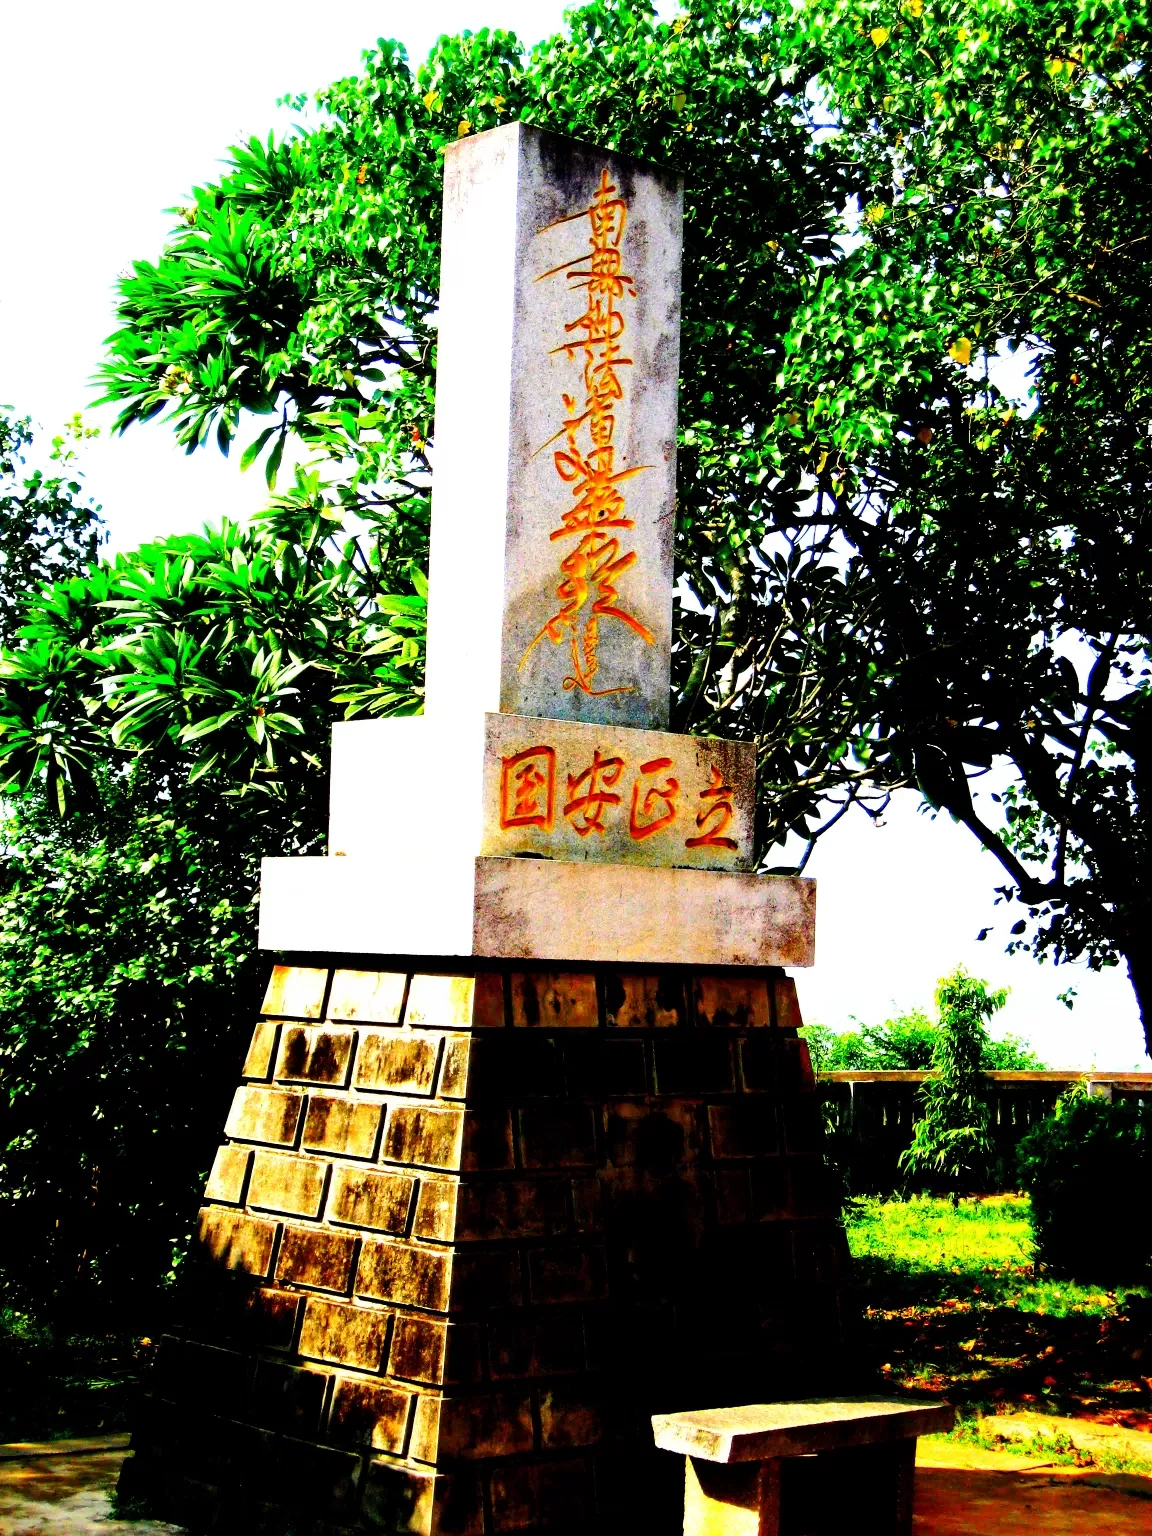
x: 812, y: 1466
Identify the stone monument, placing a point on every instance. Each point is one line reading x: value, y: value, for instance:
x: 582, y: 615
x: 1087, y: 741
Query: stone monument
x: 527, y: 1146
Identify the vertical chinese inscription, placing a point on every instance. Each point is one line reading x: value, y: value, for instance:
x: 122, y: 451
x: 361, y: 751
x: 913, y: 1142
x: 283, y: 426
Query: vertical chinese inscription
x: 594, y: 522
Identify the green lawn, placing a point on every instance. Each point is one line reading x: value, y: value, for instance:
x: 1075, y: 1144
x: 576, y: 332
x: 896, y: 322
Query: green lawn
x: 950, y: 1303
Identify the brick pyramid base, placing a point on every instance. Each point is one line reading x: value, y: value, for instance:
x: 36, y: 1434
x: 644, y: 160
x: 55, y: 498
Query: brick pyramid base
x: 468, y: 1231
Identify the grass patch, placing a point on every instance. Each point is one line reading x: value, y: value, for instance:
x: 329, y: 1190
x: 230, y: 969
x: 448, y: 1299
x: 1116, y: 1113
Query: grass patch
x: 951, y: 1303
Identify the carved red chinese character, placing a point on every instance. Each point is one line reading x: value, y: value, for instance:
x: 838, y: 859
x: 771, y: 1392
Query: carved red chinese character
x: 586, y: 810
x: 715, y: 817
x: 528, y: 788
x: 653, y: 805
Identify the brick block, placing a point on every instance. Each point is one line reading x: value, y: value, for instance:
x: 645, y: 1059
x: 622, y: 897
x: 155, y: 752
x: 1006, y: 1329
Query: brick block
x: 424, y: 1137
x: 312, y: 1054
x: 642, y: 1000
x: 288, y: 1398
x: 558, y: 1136
x: 733, y: 1199
x: 567, y: 1274
x: 360, y: 1197
x: 425, y: 1440
x: 435, y: 1217
x: 295, y: 992
x: 552, y: 1495
x: 229, y: 1170
x: 392, y: 1062
x: 541, y: 1346
x: 265, y: 1114
x: 487, y: 1144
x: 409, y: 1503
x: 343, y: 1334
x: 316, y: 1257
x: 786, y: 1003
x: 347, y: 1126
x: 235, y: 1241
x: 525, y: 1208
x: 289, y: 1184
x: 454, y: 1072
x: 485, y: 1280
x: 731, y: 1002
x: 206, y: 1378
x: 652, y: 1138
x: 515, y: 1066
x: 587, y: 1205
x: 258, y: 1062
x: 693, y: 1063
x: 596, y: 1067
x: 777, y: 1062
x: 441, y: 1002
x: 270, y: 1318
x: 803, y: 1127
x: 743, y: 1129
x: 367, y: 997
x: 496, y: 1424
x: 569, y: 1419
x: 771, y: 1196
x: 405, y: 1274
x: 370, y: 1413
x: 418, y: 1349
x: 554, y: 1000
x: 320, y: 1480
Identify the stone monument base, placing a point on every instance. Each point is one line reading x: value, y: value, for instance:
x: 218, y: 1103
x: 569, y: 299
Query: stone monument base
x: 470, y: 1226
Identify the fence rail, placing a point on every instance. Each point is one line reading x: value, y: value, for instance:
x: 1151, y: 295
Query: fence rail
x: 870, y: 1115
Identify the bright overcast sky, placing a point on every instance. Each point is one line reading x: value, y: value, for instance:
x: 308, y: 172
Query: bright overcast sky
x: 110, y: 112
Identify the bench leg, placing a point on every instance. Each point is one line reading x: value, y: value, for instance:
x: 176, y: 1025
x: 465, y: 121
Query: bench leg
x: 738, y: 1500
x: 904, y: 1457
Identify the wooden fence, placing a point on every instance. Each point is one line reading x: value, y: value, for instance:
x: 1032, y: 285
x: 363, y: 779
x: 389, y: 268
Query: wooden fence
x: 869, y: 1115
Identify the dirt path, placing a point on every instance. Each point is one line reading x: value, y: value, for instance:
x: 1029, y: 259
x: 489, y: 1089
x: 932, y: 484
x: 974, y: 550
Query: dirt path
x: 960, y: 1491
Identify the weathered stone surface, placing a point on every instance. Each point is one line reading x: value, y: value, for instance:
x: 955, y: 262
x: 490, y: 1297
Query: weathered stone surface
x: 425, y: 1137
x: 520, y: 216
x: 289, y: 1184
x: 265, y: 1114
x: 554, y: 1000
x: 394, y: 1062
x: 442, y: 1002
x: 370, y: 1413
x: 418, y: 1348
x: 234, y: 1241
x: 258, y: 1062
x: 379, y: 1202
x: 643, y: 1000
x: 367, y: 997
x: 398, y: 1272
x: 435, y: 1217
x: 342, y: 1125
x: 296, y: 992
x: 762, y: 1430
x: 344, y: 1334
x: 309, y: 1054
x: 316, y: 1257
x: 229, y: 1170
x: 571, y: 791
x: 545, y: 909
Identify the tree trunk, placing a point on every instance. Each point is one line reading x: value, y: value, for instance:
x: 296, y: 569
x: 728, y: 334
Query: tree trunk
x: 1140, y: 975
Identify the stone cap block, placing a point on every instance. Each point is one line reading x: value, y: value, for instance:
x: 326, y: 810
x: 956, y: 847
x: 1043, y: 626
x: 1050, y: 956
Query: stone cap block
x: 764, y: 1431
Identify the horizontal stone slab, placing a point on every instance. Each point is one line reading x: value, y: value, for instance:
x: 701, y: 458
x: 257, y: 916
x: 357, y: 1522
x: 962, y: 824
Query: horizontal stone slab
x: 548, y: 909
x: 764, y: 1431
x: 541, y: 909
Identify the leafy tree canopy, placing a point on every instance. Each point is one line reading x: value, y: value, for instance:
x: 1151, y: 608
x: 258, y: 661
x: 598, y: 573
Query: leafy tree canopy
x: 907, y: 1043
x: 48, y: 529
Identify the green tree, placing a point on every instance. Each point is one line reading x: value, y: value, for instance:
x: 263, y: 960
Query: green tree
x: 48, y: 530
x: 902, y: 577
x: 906, y: 1043
x: 951, y: 1142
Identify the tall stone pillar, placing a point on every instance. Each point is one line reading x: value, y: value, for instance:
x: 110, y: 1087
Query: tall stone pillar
x: 527, y: 1146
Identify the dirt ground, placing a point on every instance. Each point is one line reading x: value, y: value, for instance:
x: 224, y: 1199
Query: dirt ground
x: 64, y: 1488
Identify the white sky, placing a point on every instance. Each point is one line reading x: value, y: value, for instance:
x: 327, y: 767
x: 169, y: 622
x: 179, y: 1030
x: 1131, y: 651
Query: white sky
x: 110, y: 113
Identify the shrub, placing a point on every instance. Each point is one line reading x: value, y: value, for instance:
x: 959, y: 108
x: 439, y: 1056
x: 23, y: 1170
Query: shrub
x: 1088, y: 1166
